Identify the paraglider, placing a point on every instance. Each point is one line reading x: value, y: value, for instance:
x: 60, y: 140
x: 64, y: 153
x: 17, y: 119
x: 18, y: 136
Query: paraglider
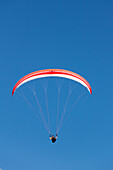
x: 69, y: 75
x: 53, y: 138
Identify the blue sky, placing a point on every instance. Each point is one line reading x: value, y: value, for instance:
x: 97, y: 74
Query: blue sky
x: 73, y: 35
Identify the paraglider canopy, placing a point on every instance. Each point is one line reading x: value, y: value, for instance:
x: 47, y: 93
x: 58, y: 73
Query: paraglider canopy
x: 53, y: 73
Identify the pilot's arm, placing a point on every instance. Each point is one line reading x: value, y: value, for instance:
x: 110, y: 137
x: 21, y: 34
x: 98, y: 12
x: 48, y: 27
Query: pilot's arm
x: 56, y: 136
x: 50, y: 136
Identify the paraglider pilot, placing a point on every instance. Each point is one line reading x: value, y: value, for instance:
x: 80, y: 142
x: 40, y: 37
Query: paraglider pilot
x: 53, y: 138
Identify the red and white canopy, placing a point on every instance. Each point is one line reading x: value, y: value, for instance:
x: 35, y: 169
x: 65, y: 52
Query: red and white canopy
x: 52, y: 73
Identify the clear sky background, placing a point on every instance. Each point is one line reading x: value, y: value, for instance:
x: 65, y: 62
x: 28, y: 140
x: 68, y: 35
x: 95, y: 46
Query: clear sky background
x: 73, y: 35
